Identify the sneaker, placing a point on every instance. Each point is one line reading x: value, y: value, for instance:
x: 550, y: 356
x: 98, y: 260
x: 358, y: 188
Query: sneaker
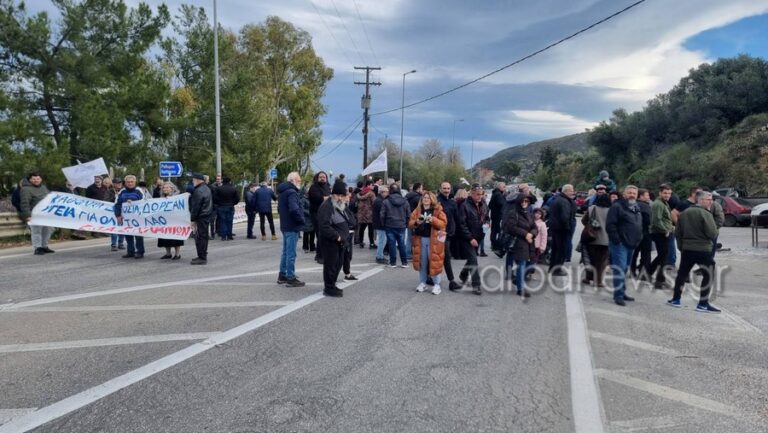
x: 198, y: 261
x: 477, y: 291
x: 382, y: 261
x: 436, y: 290
x: 281, y: 279
x: 250, y: 237
x: 263, y: 238
x: 128, y: 256
x: 454, y: 286
x: 404, y: 265
x: 707, y: 308
x: 392, y: 266
x: 628, y: 298
x: 350, y: 277
x: 274, y: 238
x: 620, y: 302
x: 294, y: 282
x: 373, y: 247
x: 675, y: 303
x: 139, y: 256
x: 113, y: 248
x: 47, y: 250
x: 421, y: 287
x: 39, y: 251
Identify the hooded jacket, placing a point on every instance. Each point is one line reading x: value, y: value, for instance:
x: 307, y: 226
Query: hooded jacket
x: 395, y: 211
x: 30, y: 196
x: 289, y: 208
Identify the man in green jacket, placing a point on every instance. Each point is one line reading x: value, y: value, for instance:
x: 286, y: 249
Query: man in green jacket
x: 661, y: 229
x: 32, y: 191
x: 696, y: 231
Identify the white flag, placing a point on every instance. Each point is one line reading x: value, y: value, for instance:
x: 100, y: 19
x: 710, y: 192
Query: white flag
x: 378, y: 164
x: 82, y: 175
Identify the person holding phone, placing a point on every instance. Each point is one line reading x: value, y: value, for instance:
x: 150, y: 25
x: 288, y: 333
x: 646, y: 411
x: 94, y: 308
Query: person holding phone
x: 428, y: 223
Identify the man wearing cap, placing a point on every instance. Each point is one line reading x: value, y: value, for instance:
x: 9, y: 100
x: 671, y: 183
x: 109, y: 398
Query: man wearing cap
x: 200, y: 212
x: 334, y: 230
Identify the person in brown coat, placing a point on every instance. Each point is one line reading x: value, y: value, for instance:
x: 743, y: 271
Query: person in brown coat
x: 365, y: 200
x: 428, y: 223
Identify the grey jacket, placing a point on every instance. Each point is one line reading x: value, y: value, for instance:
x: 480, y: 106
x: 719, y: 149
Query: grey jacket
x: 30, y: 196
x: 601, y: 215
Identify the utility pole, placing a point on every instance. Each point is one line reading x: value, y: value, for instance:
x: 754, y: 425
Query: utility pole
x: 366, y: 105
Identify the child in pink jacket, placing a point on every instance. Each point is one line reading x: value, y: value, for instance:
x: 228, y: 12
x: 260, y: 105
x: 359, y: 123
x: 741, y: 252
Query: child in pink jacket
x: 540, y: 242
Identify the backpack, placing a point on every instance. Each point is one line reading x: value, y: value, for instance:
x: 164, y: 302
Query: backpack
x: 16, y: 198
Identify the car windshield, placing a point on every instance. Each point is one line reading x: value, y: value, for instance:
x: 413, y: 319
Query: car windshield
x: 743, y: 202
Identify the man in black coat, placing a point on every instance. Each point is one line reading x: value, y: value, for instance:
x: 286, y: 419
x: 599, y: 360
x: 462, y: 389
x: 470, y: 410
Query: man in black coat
x: 452, y: 214
x: 473, y: 214
x: 200, y: 212
x: 562, y: 214
x: 625, y: 232
x: 318, y: 192
x: 496, y: 206
x: 334, y: 230
x: 225, y: 198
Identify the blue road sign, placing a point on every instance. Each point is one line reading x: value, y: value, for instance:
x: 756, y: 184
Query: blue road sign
x: 273, y: 173
x: 170, y: 169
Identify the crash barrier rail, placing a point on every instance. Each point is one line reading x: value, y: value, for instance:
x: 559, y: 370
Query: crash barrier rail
x: 11, y: 225
x: 758, y: 222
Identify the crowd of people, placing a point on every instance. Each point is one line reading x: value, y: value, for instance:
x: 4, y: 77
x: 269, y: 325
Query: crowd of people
x: 427, y: 230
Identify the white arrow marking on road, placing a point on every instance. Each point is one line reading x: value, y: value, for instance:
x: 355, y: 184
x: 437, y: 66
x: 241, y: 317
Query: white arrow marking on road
x: 633, y: 343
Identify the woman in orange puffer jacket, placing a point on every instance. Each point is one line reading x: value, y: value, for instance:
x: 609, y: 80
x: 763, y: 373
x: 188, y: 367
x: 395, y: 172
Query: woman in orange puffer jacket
x: 428, y: 222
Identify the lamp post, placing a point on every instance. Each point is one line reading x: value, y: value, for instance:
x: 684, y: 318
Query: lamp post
x: 216, y: 94
x: 453, y: 135
x: 402, y: 120
x: 472, y: 159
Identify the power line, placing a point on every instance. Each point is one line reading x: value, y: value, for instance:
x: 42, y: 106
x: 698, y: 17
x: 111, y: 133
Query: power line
x: 344, y: 24
x: 342, y: 141
x: 327, y: 27
x: 533, y: 54
x: 365, y: 32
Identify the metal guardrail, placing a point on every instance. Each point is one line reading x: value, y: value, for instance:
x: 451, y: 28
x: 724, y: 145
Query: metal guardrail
x: 11, y: 225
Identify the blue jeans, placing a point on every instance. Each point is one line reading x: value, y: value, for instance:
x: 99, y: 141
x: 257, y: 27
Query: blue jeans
x: 521, y: 266
x: 424, y: 263
x: 225, y: 215
x: 407, y: 242
x: 381, y: 240
x: 395, y: 240
x: 117, y: 240
x: 135, y: 245
x: 620, y: 257
x: 288, y: 257
x: 672, y: 253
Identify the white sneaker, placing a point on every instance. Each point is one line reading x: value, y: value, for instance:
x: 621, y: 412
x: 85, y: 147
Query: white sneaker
x: 436, y: 290
x: 421, y: 287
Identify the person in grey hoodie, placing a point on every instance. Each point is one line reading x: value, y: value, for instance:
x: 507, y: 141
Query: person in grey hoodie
x: 394, y: 217
x: 32, y: 191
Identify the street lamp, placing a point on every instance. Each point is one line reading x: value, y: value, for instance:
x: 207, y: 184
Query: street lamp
x: 216, y: 94
x: 402, y: 120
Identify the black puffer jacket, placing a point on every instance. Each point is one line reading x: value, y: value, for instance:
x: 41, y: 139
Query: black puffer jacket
x: 562, y: 213
x: 226, y: 195
x: 395, y: 212
x: 519, y: 222
x: 451, y: 213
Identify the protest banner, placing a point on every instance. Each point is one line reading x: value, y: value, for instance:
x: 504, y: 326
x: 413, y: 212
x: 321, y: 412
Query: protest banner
x: 82, y: 175
x: 240, y: 215
x: 166, y: 218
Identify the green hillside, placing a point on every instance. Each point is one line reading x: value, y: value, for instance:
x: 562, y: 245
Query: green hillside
x: 527, y: 155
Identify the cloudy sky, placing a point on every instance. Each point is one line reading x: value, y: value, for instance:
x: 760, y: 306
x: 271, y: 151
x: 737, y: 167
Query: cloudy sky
x: 621, y: 63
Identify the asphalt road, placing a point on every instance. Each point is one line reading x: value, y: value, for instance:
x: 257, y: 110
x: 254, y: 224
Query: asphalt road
x: 90, y: 342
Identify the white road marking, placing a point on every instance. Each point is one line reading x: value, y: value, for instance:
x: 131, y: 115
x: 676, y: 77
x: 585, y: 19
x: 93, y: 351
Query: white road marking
x: 63, y: 250
x: 9, y: 414
x: 669, y: 393
x: 651, y: 423
x: 239, y: 283
x: 588, y: 413
x: 633, y: 343
x: 100, y: 342
x: 739, y: 322
x: 73, y: 297
x: 70, y: 404
x: 624, y: 316
x: 95, y: 308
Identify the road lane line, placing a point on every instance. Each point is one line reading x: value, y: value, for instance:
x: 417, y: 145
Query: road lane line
x: 634, y: 343
x: 82, y: 247
x: 588, y: 416
x: 70, y: 404
x: 651, y: 423
x: 101, y: 342
x: 9, y: 414
x: 669, y: 393
x: 96, y: 308
x: 739, y: 322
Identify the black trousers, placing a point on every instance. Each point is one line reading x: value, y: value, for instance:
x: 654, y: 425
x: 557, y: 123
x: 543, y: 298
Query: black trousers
x: 689, y: 259
x: 447, y: 260
x: 213, y: 222
x: 201, y: 238
x: 559, y: 247
x: 643, y: 251
x: 308, y: 241
x: 348, y: 256
x: 268, y: 216
x: 319, y: 247
x: 333, y: 259
x: 662, y: 251
x: 251, y: 219
x: 471, y: 266
x: 362, y: 231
